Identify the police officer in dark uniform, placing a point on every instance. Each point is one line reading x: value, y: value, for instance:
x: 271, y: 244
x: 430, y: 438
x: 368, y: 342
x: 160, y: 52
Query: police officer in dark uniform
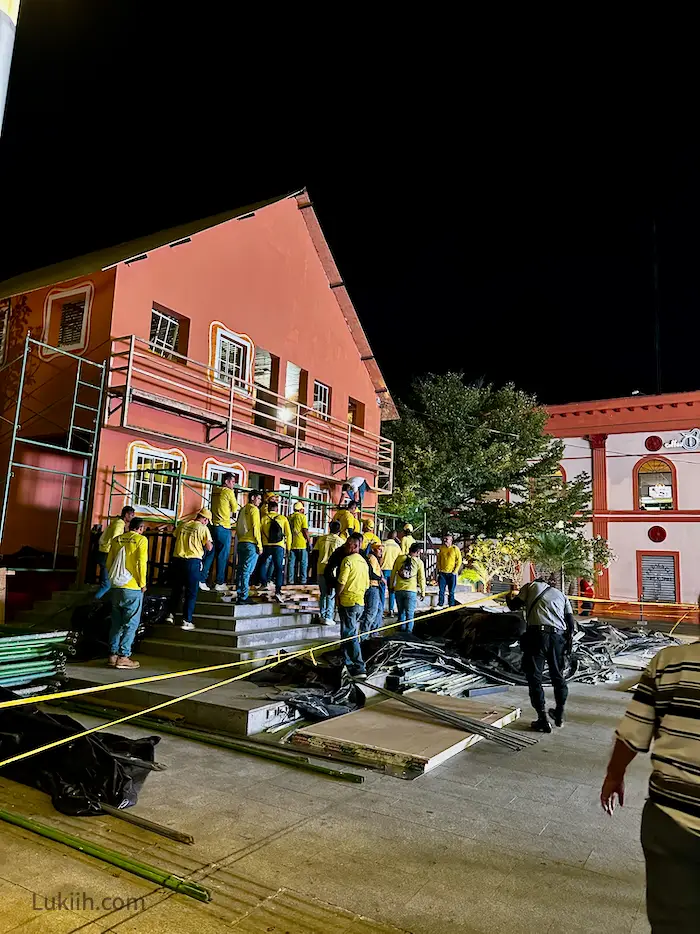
x: 548, y: 638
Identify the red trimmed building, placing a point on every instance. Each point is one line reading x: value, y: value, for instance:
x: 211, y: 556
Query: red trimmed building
x: 642, y: 454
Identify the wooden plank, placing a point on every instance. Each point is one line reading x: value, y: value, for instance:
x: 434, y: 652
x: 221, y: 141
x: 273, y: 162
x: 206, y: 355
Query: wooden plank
x: 4, y: 574
x: 392, y: 737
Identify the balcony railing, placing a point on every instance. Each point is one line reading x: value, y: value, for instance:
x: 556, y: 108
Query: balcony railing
x: 229, y: 407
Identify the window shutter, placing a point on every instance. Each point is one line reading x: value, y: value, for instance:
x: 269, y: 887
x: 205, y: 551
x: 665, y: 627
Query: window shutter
x: 658, y: 578
x: 71, y: 328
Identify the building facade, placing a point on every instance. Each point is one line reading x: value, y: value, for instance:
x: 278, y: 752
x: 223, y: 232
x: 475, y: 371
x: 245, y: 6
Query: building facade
x: 235, y: 348
x: 642, y: 454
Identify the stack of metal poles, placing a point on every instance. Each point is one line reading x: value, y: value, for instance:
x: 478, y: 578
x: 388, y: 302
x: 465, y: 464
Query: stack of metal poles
x: 31, y: 659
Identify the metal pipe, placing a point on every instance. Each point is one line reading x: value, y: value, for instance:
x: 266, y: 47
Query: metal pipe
x: 13, y: 443
x: 146, y: 824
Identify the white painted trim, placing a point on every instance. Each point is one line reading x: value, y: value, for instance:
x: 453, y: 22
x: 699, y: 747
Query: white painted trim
x: 86, y: 288
x: 148, y: 451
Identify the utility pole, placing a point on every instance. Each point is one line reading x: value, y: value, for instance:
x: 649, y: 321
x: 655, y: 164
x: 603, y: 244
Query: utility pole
x: 657, y: 313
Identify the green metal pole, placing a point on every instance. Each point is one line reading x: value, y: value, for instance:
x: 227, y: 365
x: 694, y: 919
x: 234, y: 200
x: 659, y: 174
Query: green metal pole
x: 152, y: 873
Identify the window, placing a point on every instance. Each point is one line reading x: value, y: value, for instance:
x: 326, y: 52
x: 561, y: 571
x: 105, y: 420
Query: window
x: 657, y: 575
x: 655, y: 485
x: 215, y: 472
x: 322, y: 399
x: 318, y: 515
x: 67, y: 319
x: 295, y: 384
x: 356, y: 413
x: 71, y: 326
x: 4, y: 327
x: 266, y: 378
x: 231, y: 361
x: 288, y: 487
x: 165, y: 332
x: 154, y: 490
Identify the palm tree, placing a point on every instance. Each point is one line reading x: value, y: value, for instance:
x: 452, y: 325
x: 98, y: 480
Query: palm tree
x: 559, y: 554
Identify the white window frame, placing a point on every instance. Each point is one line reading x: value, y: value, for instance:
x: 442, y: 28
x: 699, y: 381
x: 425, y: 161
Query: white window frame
x: 5, y: 312
x: 215, y: 471
x: 240, y: 384
x: 58, y: 296
x: 286, y: 504
x: 171, y: 323
x: 322, y: 405
x: 154, y: 454
x: 315, y: 492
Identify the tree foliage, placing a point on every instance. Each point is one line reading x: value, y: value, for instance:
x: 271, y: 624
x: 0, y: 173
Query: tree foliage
x: 460, y: 447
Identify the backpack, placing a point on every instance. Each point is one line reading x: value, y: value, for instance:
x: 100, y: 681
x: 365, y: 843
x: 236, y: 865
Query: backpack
x: 406, y: 570
x: 275, y: 534
x: 119, y: 576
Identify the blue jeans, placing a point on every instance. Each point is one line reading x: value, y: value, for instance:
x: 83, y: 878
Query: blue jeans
x: 186, y: 574
x: 126, y: 615
x: 392, y: 600
x: 272, y: 564
x: 349, y: 627
x: 105, y: 582
x: 372, y: 616
x: 449, y: 582
x: 327, y: 600
x: 406, y: 605
x: 300, y: 555
x: 247, y: 559
x: 221, y: 550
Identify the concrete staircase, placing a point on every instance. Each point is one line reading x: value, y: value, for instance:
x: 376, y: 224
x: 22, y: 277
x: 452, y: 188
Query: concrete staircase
x: 55, y: 613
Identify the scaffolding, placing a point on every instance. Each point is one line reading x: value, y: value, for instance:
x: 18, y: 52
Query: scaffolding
x: 76, y: 435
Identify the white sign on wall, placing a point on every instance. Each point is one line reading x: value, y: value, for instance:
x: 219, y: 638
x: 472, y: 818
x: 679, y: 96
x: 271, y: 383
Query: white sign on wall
x: 660, y: 491
x: 688, y: 441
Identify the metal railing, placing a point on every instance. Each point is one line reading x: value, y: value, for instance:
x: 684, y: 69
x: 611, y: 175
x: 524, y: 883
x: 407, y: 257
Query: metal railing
x: 230, y: 406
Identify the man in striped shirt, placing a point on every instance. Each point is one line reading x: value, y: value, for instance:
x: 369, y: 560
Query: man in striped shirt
x: 665, y: 712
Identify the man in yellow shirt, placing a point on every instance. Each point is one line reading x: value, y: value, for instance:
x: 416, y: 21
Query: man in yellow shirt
x: 347, y: 516
x: 298, y: 554
x: 192, y: 540
x: 449, y: 561
x: 115, y: 528
x: 325, y: 546
x: 392, y: 549
x: 353, y: 581
x: 276, y: 541
x: 407, y: 538
x: 369, y: 536
x: 126, y: 565
x: 224, y: 507
x: 374, y: 605
x: 407, y: 581
x: 249, y: 544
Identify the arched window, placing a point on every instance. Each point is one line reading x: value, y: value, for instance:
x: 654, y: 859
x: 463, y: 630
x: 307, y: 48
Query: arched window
x: 655, y: 485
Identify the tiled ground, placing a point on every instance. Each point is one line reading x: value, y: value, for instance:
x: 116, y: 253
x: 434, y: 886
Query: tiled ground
x: 492, y: 841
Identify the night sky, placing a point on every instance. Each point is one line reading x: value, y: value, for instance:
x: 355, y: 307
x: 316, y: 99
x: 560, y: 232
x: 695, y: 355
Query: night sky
x: 499, y: 226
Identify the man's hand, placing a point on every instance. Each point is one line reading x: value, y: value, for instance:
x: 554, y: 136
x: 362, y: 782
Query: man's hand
x: 613, y: 787
x: 259, y: 550
x: 143, y: 590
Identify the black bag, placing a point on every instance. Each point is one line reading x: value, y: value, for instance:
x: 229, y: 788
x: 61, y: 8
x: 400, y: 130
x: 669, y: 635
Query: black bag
x: 275, y: 534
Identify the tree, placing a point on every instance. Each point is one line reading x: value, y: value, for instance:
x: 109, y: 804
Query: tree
x: 459, y: 448
x: 567, y: 557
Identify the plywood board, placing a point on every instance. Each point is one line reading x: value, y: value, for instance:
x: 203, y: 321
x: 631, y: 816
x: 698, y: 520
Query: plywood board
x: 391, y: 736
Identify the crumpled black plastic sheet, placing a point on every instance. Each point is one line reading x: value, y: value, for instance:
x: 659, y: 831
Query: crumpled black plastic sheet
x: 78, y: 775
x: 318, y: 691
x: 91, y: 623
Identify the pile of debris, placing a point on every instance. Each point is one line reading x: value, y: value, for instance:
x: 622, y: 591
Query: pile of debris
x: 601, y: 649
x: 33, y: 662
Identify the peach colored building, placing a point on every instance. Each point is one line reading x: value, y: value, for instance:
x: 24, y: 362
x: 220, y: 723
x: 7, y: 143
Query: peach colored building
x: 231, y: 345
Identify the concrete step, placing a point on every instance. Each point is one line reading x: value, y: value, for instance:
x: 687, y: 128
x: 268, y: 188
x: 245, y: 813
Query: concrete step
x: 276, y: 635
x: 58, y: 615
x: 205, y: 654
x: 208, y: 620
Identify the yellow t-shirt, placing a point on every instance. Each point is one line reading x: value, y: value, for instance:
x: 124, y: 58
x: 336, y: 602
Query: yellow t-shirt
x: 190, y: 539
x: 348, y: 522
x: 374, y: 564
x: 417, y: 580
x: 116, y: 527
x: 265, y: 524
x: 369, y: 539
x: 449, y: 560
x: 406, y: 542
x: 135, y: 558
x: 354, y: 576
x: 224, y: 506
x: 325, y: 546
x: 392, y: 550
x: 298, y: 521
x: 248, y: 525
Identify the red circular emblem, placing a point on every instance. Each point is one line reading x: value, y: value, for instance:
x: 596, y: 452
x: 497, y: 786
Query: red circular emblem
x: 657, y: 534
x: 653, y: 443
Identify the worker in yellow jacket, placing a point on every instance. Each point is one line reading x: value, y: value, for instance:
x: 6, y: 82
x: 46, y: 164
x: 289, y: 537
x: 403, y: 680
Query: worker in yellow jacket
x: 407, y: 582
x: 449, y: 562
x: 192, y: 541
x: 249, y: 544
x: 126, y: 566
x: 224, y: 508
x: 391, y: 549
x: 369, y: 536
x: 276, y: 541
x: 407, y: 539
x: 298, y: 553
x: 116, y: 527
x: 347, y: 516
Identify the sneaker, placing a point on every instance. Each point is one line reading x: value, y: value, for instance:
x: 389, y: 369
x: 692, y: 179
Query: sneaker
x: 125, y: 662
x: 326, y: 622
x: 204, y: 586
x: 112, y: 661
x: 541, y: 725
x: 248, y: 601
x: 278, y: 597
x: 220, y: 588
x: 187, y: 625
x: 557, y: 716
x: 170, y: 619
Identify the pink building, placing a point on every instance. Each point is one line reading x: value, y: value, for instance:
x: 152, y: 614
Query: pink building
x: 228, y: 345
